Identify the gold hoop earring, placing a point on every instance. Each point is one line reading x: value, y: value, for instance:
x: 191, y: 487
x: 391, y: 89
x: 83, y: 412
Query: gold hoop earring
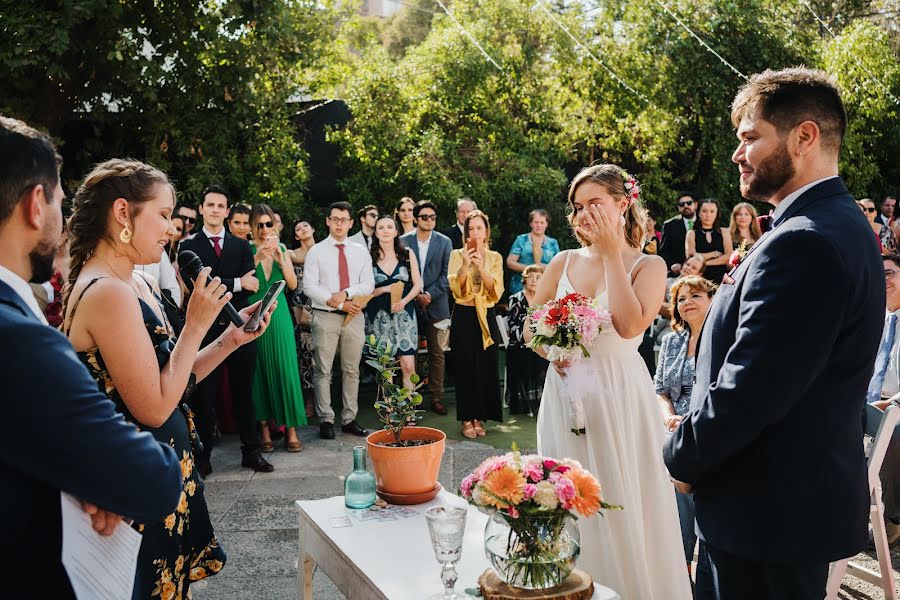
x: 125, y: 235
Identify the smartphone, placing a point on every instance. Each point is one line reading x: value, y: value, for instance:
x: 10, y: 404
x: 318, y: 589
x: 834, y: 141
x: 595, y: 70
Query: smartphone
x: 471, y: 244
x: 253, y: 323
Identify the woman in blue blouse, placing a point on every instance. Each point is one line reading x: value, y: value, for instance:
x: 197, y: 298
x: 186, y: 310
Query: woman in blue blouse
x: 534, y: 248
x: 674, y: 379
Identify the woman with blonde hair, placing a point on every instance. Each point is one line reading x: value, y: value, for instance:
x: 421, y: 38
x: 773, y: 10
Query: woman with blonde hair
x: 743, y: 226
x: 122, y: 217
x: 674, y: 381
x: 476, y: 282
x: 610, y: 396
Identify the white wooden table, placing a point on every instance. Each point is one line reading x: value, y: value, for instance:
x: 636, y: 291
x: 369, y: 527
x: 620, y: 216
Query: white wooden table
x: 390, y: 560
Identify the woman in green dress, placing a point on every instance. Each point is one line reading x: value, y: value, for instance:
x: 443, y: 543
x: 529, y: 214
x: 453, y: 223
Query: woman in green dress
x: 276, y: 385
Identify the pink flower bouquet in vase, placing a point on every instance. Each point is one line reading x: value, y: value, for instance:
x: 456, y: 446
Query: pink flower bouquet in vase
x: 565, y: 329
x: 531, y: 538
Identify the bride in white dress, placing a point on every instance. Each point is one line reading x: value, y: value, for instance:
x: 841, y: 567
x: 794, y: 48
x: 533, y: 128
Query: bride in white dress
x: 636, y: 551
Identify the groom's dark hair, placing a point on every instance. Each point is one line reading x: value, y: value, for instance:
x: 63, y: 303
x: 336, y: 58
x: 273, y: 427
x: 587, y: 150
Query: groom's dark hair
x: 789, y: 97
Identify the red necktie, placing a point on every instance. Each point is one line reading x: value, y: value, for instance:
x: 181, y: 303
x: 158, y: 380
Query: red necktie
x: 216, y: 246
x: 343, y: 269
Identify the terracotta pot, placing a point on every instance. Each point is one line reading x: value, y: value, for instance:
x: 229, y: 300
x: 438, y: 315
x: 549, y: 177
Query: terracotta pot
x: 412, y: 470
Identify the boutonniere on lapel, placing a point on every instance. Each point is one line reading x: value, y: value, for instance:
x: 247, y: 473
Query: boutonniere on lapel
x: 738, y: 255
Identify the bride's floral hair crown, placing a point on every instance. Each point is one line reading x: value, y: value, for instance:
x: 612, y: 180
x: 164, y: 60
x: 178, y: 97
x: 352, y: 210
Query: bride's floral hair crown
x: 632, y: 189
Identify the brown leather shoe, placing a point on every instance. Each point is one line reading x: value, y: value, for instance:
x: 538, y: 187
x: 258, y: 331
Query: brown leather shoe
x: 438, y: 407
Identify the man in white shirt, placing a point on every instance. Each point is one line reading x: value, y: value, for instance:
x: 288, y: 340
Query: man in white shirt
x: 337, y: 271
x: 367, y: 216
x: 885, y: 384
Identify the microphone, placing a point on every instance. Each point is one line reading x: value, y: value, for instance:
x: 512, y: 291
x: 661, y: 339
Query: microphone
x: 190, y: 265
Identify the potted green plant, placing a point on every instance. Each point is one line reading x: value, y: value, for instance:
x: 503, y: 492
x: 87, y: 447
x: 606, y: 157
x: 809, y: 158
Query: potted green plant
x: 406, y: 458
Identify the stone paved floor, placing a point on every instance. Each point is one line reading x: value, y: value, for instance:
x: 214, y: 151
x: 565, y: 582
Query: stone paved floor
x: 256, y: 520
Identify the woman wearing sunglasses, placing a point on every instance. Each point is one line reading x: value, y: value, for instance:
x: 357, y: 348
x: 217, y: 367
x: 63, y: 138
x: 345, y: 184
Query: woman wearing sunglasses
x: 884, y: 234
x: 276, y: 384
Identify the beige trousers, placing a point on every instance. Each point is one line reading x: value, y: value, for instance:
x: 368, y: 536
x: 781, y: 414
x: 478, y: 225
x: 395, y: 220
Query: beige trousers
x: 329, y: 334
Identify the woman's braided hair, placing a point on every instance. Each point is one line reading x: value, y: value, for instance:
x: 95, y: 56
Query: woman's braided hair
x: 117, y: 178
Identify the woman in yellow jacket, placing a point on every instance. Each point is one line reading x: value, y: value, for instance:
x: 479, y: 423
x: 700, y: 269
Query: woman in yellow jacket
x: 476, y: 281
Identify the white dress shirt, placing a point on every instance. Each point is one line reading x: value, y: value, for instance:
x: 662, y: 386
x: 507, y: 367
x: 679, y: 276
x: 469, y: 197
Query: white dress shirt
x: 891, y: 383
x: 164, y: 274
x: 789, y: 199
x: 321, y: 278
x: 21, y: 287
x: 423, y: 251
x: 221, y: 235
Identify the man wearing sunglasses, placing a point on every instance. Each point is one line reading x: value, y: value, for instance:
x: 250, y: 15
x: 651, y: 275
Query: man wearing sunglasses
x: 674, y: 232
x: 367, y: 216
x: 189, y: 215
x: 232, y: 261
x: 432, y: 250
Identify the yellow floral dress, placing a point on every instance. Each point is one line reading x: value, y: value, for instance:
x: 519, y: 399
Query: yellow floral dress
x: 182, y: 548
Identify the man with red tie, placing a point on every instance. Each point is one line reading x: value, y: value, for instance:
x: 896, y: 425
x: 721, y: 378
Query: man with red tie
x: 231, y: 260
x: 336, y: 271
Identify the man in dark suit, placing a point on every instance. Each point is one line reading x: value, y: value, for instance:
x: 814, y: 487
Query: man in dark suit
x: 455, y: 232
x: 674, y: 232
x: 59, y: 433
x: 773, y: 442
x: 432, y: 250
x: 231, y: 260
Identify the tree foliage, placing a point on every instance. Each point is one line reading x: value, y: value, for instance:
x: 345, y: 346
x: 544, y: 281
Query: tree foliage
x: 201, y: 89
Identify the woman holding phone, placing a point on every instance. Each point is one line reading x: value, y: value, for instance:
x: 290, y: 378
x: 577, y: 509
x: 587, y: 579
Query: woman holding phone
x: 276, y: 384
x: 476, y: 281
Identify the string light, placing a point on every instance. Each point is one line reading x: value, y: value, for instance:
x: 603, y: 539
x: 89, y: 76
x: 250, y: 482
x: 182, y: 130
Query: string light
x: 470, y: 36
x: 872, y: 78
x: 702, y: 43
x: 618, y: 79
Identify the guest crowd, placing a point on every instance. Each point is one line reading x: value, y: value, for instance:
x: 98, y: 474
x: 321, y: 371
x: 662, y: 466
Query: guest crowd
x: 388, y: 272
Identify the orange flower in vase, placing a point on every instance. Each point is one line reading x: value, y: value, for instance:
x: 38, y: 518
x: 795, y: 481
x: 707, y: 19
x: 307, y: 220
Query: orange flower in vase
x: 587, y: 492
x: 504, y: 486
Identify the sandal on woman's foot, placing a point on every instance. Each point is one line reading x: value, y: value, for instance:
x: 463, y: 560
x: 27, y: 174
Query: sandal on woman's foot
x: 267, y: 447
x: 468, y: 430
x: 479, y: 429
x: 293, y: 446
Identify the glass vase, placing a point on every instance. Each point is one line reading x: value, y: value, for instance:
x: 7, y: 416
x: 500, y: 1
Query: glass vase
x: 359, y: 486
x: 532, y: 552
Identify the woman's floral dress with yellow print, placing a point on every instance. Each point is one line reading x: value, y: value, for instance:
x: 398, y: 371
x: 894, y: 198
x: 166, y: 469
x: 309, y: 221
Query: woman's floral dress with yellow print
x: 182, y: 548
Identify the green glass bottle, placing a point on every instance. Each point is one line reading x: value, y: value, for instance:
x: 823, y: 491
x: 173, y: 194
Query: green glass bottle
x: 359, y: 486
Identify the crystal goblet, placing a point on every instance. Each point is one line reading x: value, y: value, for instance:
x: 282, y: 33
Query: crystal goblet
x: 447, y: 526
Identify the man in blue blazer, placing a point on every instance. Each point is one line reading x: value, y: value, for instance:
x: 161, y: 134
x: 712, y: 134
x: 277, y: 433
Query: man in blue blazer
x: 773, y: 443
x: 432, y: 305
x: 59, y: 433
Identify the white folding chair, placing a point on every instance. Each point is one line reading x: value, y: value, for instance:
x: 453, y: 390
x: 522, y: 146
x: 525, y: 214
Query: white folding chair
x: 503, y: 326
x: 885, y: 578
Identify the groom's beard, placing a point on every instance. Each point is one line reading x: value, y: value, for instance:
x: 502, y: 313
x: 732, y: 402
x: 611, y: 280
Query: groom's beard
x: 41, y: 259
x: 769, y: 176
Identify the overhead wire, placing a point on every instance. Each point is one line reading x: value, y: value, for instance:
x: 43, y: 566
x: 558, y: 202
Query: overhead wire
x: 469, y: 35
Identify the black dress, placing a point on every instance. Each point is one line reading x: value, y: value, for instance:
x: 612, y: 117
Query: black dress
x: 717, y: 244
x: 525, y: 369
x: 477, y: 372
x: 182, y: 548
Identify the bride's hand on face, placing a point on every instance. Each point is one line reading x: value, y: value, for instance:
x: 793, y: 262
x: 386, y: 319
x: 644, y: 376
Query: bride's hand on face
x: 595, y: 227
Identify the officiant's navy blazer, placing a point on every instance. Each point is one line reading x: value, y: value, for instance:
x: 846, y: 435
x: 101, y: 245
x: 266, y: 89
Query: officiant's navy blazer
x: 60, y: 433
x: 773, y: 442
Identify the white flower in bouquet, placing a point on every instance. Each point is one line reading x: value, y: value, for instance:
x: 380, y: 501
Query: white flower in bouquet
x: 545, y: 495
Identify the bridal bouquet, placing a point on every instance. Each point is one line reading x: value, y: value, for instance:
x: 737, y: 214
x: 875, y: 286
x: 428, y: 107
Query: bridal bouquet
x: 565, y: 329
x: 533, y: 498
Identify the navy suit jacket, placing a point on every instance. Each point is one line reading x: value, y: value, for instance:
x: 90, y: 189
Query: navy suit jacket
x: 671, y: 246
x: 773, y: 441
x: 60, y: 433
x: 455, y: 235
x: 236, y: 260
x: 434, y: 279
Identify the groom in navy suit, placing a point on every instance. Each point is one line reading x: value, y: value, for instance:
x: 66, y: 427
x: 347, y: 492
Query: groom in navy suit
x: 772, y: 446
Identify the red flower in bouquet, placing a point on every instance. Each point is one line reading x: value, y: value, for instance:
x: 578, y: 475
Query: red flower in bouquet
x: 557, y: 315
